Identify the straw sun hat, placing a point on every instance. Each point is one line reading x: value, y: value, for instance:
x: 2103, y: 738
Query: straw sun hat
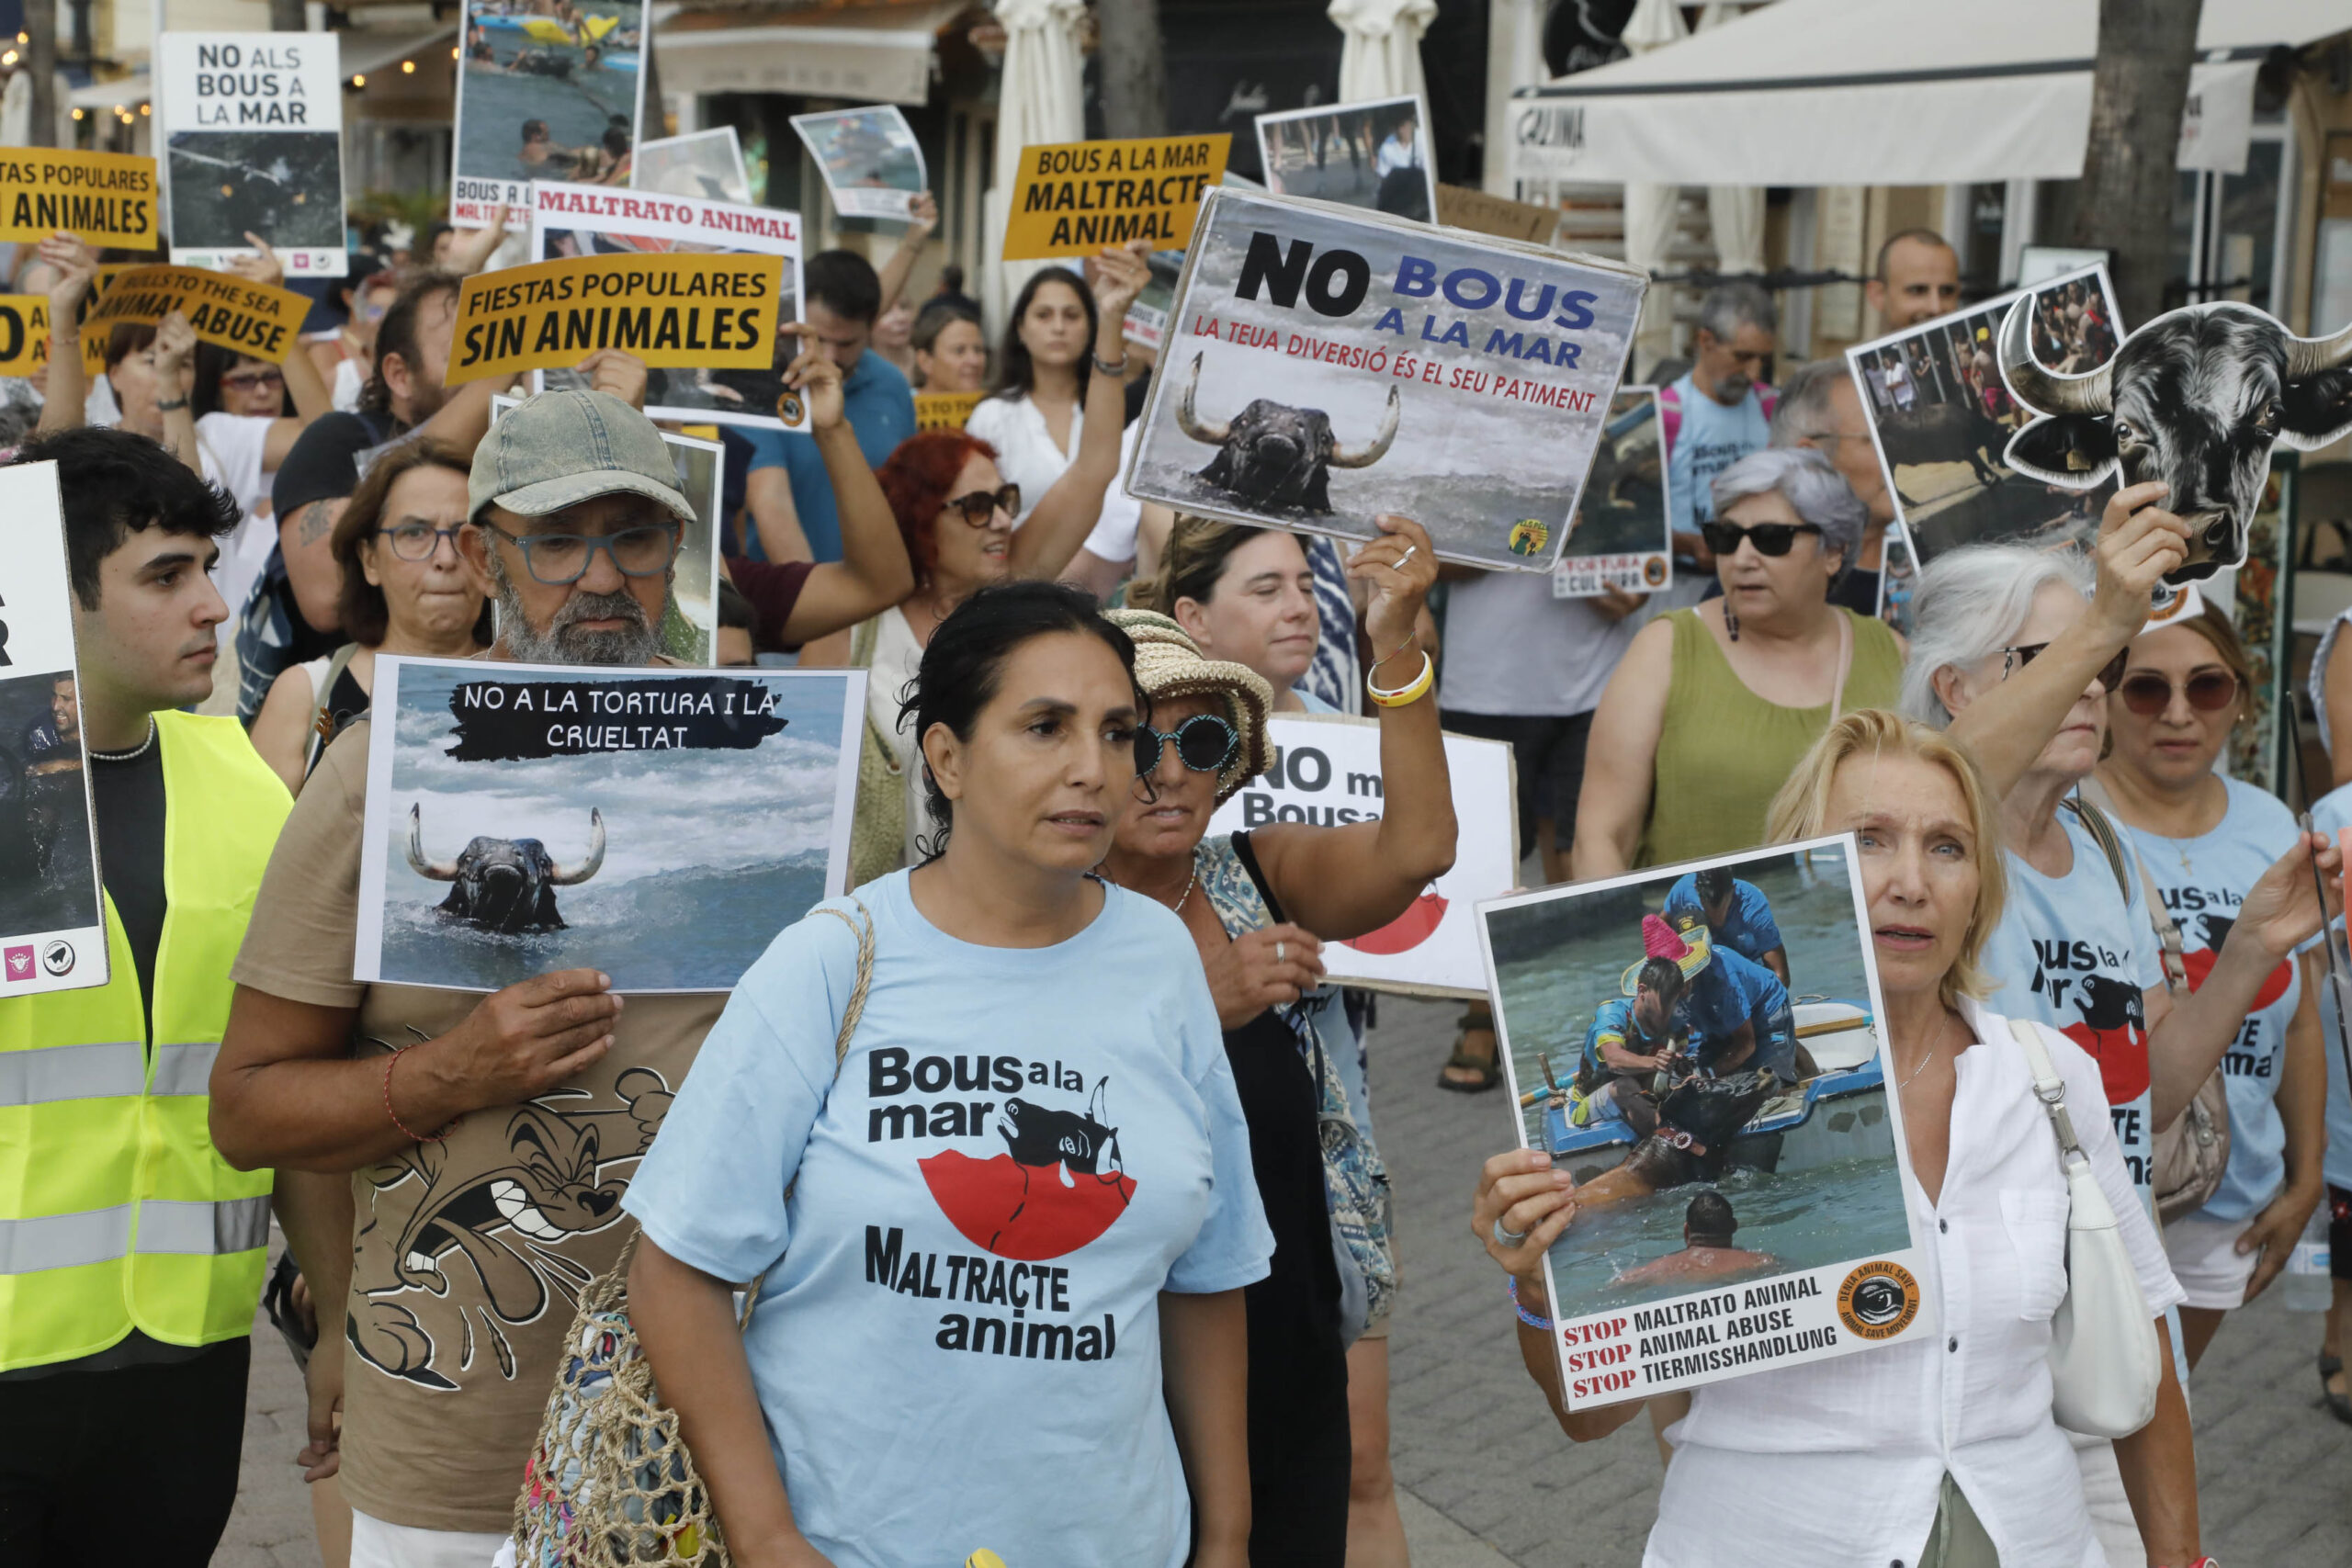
x: 1169, y: 664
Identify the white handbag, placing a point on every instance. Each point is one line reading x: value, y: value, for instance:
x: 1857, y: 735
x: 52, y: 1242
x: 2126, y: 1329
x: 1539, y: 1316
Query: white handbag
x: 2106, y: 1363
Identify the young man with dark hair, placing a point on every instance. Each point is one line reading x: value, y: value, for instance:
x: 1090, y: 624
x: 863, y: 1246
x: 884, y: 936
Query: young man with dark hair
x: 135, y: 1253
x: 794, y: 514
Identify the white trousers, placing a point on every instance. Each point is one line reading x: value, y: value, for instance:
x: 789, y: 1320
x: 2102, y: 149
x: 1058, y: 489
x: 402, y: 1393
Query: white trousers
x: 375, y: 1544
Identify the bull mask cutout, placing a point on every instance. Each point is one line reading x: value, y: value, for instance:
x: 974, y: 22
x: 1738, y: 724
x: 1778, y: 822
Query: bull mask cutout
x: 2196, y: 398
x: 1272, y: 455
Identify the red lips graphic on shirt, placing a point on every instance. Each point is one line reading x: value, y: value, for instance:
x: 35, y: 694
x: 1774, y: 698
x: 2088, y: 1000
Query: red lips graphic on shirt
x: 2199, y: 963
x: 1407, y: 932
x: 1024, y: 1211
x: 2114, y: 1030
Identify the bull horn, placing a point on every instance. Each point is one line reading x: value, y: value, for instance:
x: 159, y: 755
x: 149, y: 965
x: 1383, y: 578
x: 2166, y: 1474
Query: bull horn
x: 431, y: 870
x: 1343, y: 458
x: 571, y: 875
x: 1190, y: 422
x: 2310, y: 356
x: 2044, y: 390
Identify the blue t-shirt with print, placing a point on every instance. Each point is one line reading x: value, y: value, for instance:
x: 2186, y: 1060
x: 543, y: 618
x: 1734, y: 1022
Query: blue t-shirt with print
x: 2332, y: 816
x: 1730, y: 991
x: 881, y: 409
x: 1709, y: 439
x: 1021, y: 1150
x: 1613, y: 1024
x: 2202, y: 881
x: 1748, y: 929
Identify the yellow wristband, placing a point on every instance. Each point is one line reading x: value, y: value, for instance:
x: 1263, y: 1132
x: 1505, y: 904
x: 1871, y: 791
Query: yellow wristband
x: 1411, y: 692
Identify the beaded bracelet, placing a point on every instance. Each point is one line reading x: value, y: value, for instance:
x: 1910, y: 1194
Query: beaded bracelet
x: 1411, y: 692
x: 414, y: 1137
x: 1525, y: 1316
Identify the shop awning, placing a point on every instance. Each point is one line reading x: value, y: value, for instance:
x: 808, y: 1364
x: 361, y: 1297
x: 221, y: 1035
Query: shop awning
x: 1886, y: 92
x: 875, y: 53
x: 123, y: 93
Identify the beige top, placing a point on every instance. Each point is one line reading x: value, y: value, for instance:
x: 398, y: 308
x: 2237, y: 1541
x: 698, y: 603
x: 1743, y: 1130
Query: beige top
x: 466, y: 1255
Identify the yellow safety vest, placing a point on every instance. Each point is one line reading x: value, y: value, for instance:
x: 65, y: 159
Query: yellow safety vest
x: 115, y: 1212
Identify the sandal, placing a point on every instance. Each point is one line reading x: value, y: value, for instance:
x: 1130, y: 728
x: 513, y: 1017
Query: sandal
x: 2338, y: 1405
x: 1488, y: 1067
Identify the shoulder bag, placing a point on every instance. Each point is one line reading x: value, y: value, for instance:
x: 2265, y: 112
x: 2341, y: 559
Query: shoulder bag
x: 2104, y: 1362
x: 610, y: 1482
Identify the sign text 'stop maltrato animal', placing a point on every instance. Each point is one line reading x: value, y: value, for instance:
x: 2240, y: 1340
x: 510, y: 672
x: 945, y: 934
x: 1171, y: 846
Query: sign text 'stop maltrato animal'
x: 2195, y: 399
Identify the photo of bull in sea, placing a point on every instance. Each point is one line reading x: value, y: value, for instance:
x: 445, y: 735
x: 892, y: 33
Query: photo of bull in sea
x: 1698, y: 1046
x: 1941, y: 413
x: 48, y: 881
x: 659, y: 824
x: 286, y: 185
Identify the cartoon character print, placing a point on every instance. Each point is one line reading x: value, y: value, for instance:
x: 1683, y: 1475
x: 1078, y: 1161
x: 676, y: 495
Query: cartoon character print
x: 1060, y: 1183
x: 502, y: 1220
x: 2114, y: 1030
x: 2199, y: 962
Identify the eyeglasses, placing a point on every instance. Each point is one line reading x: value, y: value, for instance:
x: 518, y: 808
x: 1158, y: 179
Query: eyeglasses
x: 421, y: 541
x: 255, y: 380
x: 1205, y: 743
x: 2148, y: 693
x: 981, y: 505
x: 2018, y: 657
x: 1770, y: 538
x: 561, y: 559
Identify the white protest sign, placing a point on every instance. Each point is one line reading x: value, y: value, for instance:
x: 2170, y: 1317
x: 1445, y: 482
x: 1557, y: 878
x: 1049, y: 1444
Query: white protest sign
x: 1622, y: 537
x: 251, y: 134
x: 1326, y: 771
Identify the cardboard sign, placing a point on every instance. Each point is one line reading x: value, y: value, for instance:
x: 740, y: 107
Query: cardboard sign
x: 872, y: 163
x: 681, y: 819
x: 254, y: 122
x: 1459, y: 207
x: 544, y: 97
x: 1372, y: 155
x: 944, y: 411
x: 1074, y: 199
x: 1326, y: 771
x: 1622, y: 537
x: 100, y: 199
x: 584, y: 220
x: 715, y: 311
x: 1463, y: 382
x: 24, y: 333
x: 253, y: 319
x: 52, y: 922
x: 1780, y: 1235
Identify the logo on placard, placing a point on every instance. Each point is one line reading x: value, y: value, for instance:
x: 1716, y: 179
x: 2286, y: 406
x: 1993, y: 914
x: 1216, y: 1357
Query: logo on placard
x: 789, y: 408
x: 57, y: 957
x: 19, y: 962
x: 1878, y: 1299
x: 1654, y: 571
x: 1528, y: 537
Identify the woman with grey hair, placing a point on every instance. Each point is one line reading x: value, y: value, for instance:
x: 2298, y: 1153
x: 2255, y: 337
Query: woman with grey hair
x: 2015, y: 651
x: 1712, y: 706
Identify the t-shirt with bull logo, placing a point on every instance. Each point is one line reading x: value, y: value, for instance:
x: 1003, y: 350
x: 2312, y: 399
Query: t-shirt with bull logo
x: 2203, y: 881
x: 2077, y: 953
x: 960, y: 1347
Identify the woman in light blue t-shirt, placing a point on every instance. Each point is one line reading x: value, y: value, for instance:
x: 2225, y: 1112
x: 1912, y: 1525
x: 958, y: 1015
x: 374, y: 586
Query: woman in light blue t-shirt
x: 1000, y: 1247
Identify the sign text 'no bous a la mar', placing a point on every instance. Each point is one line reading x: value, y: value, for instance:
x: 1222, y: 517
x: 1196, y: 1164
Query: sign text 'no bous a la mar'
x: 253, y: 319
x: 1074, y: 199
x: 251, y: 127
x: 668, y: 311
x: 101, y: 198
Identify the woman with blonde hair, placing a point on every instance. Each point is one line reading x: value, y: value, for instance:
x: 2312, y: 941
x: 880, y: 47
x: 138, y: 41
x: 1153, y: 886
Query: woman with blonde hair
x: 1939, y: 1451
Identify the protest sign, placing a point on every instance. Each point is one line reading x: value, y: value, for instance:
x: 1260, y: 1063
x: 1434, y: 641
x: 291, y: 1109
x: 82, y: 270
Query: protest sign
x: 1622, y: 537
x: 52, y: 922
x: 24, y: 333
x: 253, y: 319
x: 872, y: 163
x: 673, y: 311
x: 1371, y: 155
x: 944, y: 411
x: 583, y: 220
x: 659, y: 824
x: 1146, y: 318
x: 254, y: 122
x: 1326, y: 773
x: 1459, y: 207
x: 544, y: 97
x: 1325, y: 365
x: 1799, y: 1245
x: 1940, y: 418
x: 706, y: 164
x: 100, y: 199
x: 1072, y: 200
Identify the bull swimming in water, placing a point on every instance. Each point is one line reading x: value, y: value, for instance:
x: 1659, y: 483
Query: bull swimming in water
x: 504, y: 885
x: 1272, y: 455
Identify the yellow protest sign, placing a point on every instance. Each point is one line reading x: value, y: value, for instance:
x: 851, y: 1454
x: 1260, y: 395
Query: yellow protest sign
x: 672, y: 311
x: 944, y: 411
x: 253, y: 319
x: 24, y: 333
x: 102, y: 199
x: 1072, y: 200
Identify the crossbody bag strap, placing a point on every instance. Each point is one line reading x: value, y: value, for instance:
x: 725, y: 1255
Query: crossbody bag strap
x: 2099, y: 812
x: 1845, y: 664
x: 2048, y: 1088
x: 323, y: 716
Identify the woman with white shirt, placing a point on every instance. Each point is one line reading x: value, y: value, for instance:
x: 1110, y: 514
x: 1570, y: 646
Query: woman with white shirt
x: 1939, y: 1451
x: 1036, y: 416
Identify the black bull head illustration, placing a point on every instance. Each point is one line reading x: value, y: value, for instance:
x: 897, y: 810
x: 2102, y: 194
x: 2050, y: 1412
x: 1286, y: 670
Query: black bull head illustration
x: 1273, y: 455
x: 2195, y: 398
x: 505, y: 885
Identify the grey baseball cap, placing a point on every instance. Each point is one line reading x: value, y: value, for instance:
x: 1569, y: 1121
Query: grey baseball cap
x: 560, y: 449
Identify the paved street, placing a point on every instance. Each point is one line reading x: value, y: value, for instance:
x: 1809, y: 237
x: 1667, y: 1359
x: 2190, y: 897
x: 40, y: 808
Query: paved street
x: 1489, y: 1480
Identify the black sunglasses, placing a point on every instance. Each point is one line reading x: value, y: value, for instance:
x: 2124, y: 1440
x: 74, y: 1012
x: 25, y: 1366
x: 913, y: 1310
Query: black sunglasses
x: 980, y: 505
x: 2016, y: 657
x: 1770, y: 538
x: 1205, y: 743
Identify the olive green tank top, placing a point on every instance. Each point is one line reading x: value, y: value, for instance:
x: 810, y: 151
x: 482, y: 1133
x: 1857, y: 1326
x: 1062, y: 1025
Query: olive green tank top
x: 1725, y: 751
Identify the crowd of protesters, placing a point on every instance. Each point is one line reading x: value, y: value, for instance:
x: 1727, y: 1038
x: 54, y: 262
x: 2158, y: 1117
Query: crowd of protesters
x: 1065, y: 685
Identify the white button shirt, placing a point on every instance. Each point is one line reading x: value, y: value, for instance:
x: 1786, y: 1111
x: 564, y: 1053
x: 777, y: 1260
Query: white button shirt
x: 1025, y: 452
x: 1837, y: 1464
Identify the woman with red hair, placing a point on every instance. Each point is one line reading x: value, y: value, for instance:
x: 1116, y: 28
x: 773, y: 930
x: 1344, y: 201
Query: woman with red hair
x: 956, y: 514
